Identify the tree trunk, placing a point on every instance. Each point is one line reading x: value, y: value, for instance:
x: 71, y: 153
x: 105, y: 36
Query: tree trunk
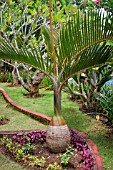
x: 33, y: 87
x: 58, y: 135
x: 34, y: 91
x: 15, y: 81
x: 35, y: 82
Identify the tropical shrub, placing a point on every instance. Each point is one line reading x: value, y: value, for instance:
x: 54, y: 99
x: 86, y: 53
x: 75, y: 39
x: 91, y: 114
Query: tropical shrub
x: 106, y: 101
x: 85, y: 86
x: 46, y: 83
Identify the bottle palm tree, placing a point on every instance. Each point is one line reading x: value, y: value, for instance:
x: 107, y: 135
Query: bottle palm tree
x: 80, y: 44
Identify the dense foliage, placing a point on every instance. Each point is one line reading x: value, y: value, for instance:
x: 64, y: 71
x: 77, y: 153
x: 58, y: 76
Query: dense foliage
x: 106, y: 100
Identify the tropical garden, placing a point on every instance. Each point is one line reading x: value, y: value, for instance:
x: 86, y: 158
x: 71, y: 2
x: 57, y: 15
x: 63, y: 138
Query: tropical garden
x: 56, y: 59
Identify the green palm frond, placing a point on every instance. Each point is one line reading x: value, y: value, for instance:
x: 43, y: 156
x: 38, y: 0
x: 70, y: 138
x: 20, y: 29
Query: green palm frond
x: 77, y: 46
x: 80, y: 33
x: 26, y: 54
x: 46, y: 33
x: 93, y: 56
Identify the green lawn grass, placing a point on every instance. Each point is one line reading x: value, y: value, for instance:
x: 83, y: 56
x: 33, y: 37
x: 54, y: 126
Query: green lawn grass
x: 18, y: 120
x: 74, y: 118
x: 7, y: 164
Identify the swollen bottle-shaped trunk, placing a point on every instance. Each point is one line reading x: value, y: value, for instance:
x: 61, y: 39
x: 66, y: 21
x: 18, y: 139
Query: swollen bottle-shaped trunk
x: 58, y: 135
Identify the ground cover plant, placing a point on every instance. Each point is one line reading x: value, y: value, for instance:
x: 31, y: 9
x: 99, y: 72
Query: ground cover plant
x: 98, y: 132
x: 31, y: 150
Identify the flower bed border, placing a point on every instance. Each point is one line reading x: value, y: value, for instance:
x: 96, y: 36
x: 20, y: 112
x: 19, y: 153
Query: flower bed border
x: 46, y: 119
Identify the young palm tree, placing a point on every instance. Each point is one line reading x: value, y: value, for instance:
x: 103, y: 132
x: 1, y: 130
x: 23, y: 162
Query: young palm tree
x: 78, y: 45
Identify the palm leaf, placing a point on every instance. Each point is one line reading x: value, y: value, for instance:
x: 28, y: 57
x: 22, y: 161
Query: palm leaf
x: 46, y: 33
x: 26, y: 54
x: 77, y: 46
x: 81, y: 33
x: 93, y: 56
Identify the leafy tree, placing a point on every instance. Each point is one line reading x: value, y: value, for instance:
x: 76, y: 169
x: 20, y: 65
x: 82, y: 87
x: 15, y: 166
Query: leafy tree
x: 78, y: 45
x: 23, y: 19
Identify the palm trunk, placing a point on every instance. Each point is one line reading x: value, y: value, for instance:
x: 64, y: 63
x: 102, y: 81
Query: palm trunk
x: 58, y: 135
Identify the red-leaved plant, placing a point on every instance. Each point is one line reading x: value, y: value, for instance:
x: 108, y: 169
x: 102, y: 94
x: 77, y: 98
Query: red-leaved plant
x: 97, y: 2
x: 78, y: 142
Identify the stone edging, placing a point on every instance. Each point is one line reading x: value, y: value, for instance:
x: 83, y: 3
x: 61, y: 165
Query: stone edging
x: 46, y: 119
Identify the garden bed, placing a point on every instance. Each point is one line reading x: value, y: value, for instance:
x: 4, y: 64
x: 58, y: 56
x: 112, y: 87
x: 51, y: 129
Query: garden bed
x: 29, y: 149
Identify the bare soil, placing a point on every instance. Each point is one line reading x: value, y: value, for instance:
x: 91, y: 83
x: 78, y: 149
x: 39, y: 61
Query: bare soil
x: 50, y: 158
x: 4, y: 121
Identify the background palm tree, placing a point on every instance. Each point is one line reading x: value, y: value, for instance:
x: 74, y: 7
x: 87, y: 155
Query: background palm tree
x: 78, y: 45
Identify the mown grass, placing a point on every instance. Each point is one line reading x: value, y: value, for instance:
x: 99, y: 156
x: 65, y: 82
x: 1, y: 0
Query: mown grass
x: 7, y: 164
x: 18, y: 120
x: 74, y: 118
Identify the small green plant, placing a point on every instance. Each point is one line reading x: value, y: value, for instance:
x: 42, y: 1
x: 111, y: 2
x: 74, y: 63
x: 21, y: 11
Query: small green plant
x: 64, y: 157
x: 9, y: 144
x: 28, y: 147
x: 3, y: 140
x: 54, y: 166
x: 35, y: 161
x: 19, y: 153
x: 18, y: 150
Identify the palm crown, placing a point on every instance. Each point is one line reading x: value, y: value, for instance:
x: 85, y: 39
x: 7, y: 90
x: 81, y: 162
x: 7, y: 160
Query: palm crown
x: 77, y: 45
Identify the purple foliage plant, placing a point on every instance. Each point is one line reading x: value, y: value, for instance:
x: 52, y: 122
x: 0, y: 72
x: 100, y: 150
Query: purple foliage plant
x: 78, y: 142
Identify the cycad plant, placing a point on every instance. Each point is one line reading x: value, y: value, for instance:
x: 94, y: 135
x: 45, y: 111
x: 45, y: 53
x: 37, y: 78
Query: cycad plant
x: 78, y: 45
